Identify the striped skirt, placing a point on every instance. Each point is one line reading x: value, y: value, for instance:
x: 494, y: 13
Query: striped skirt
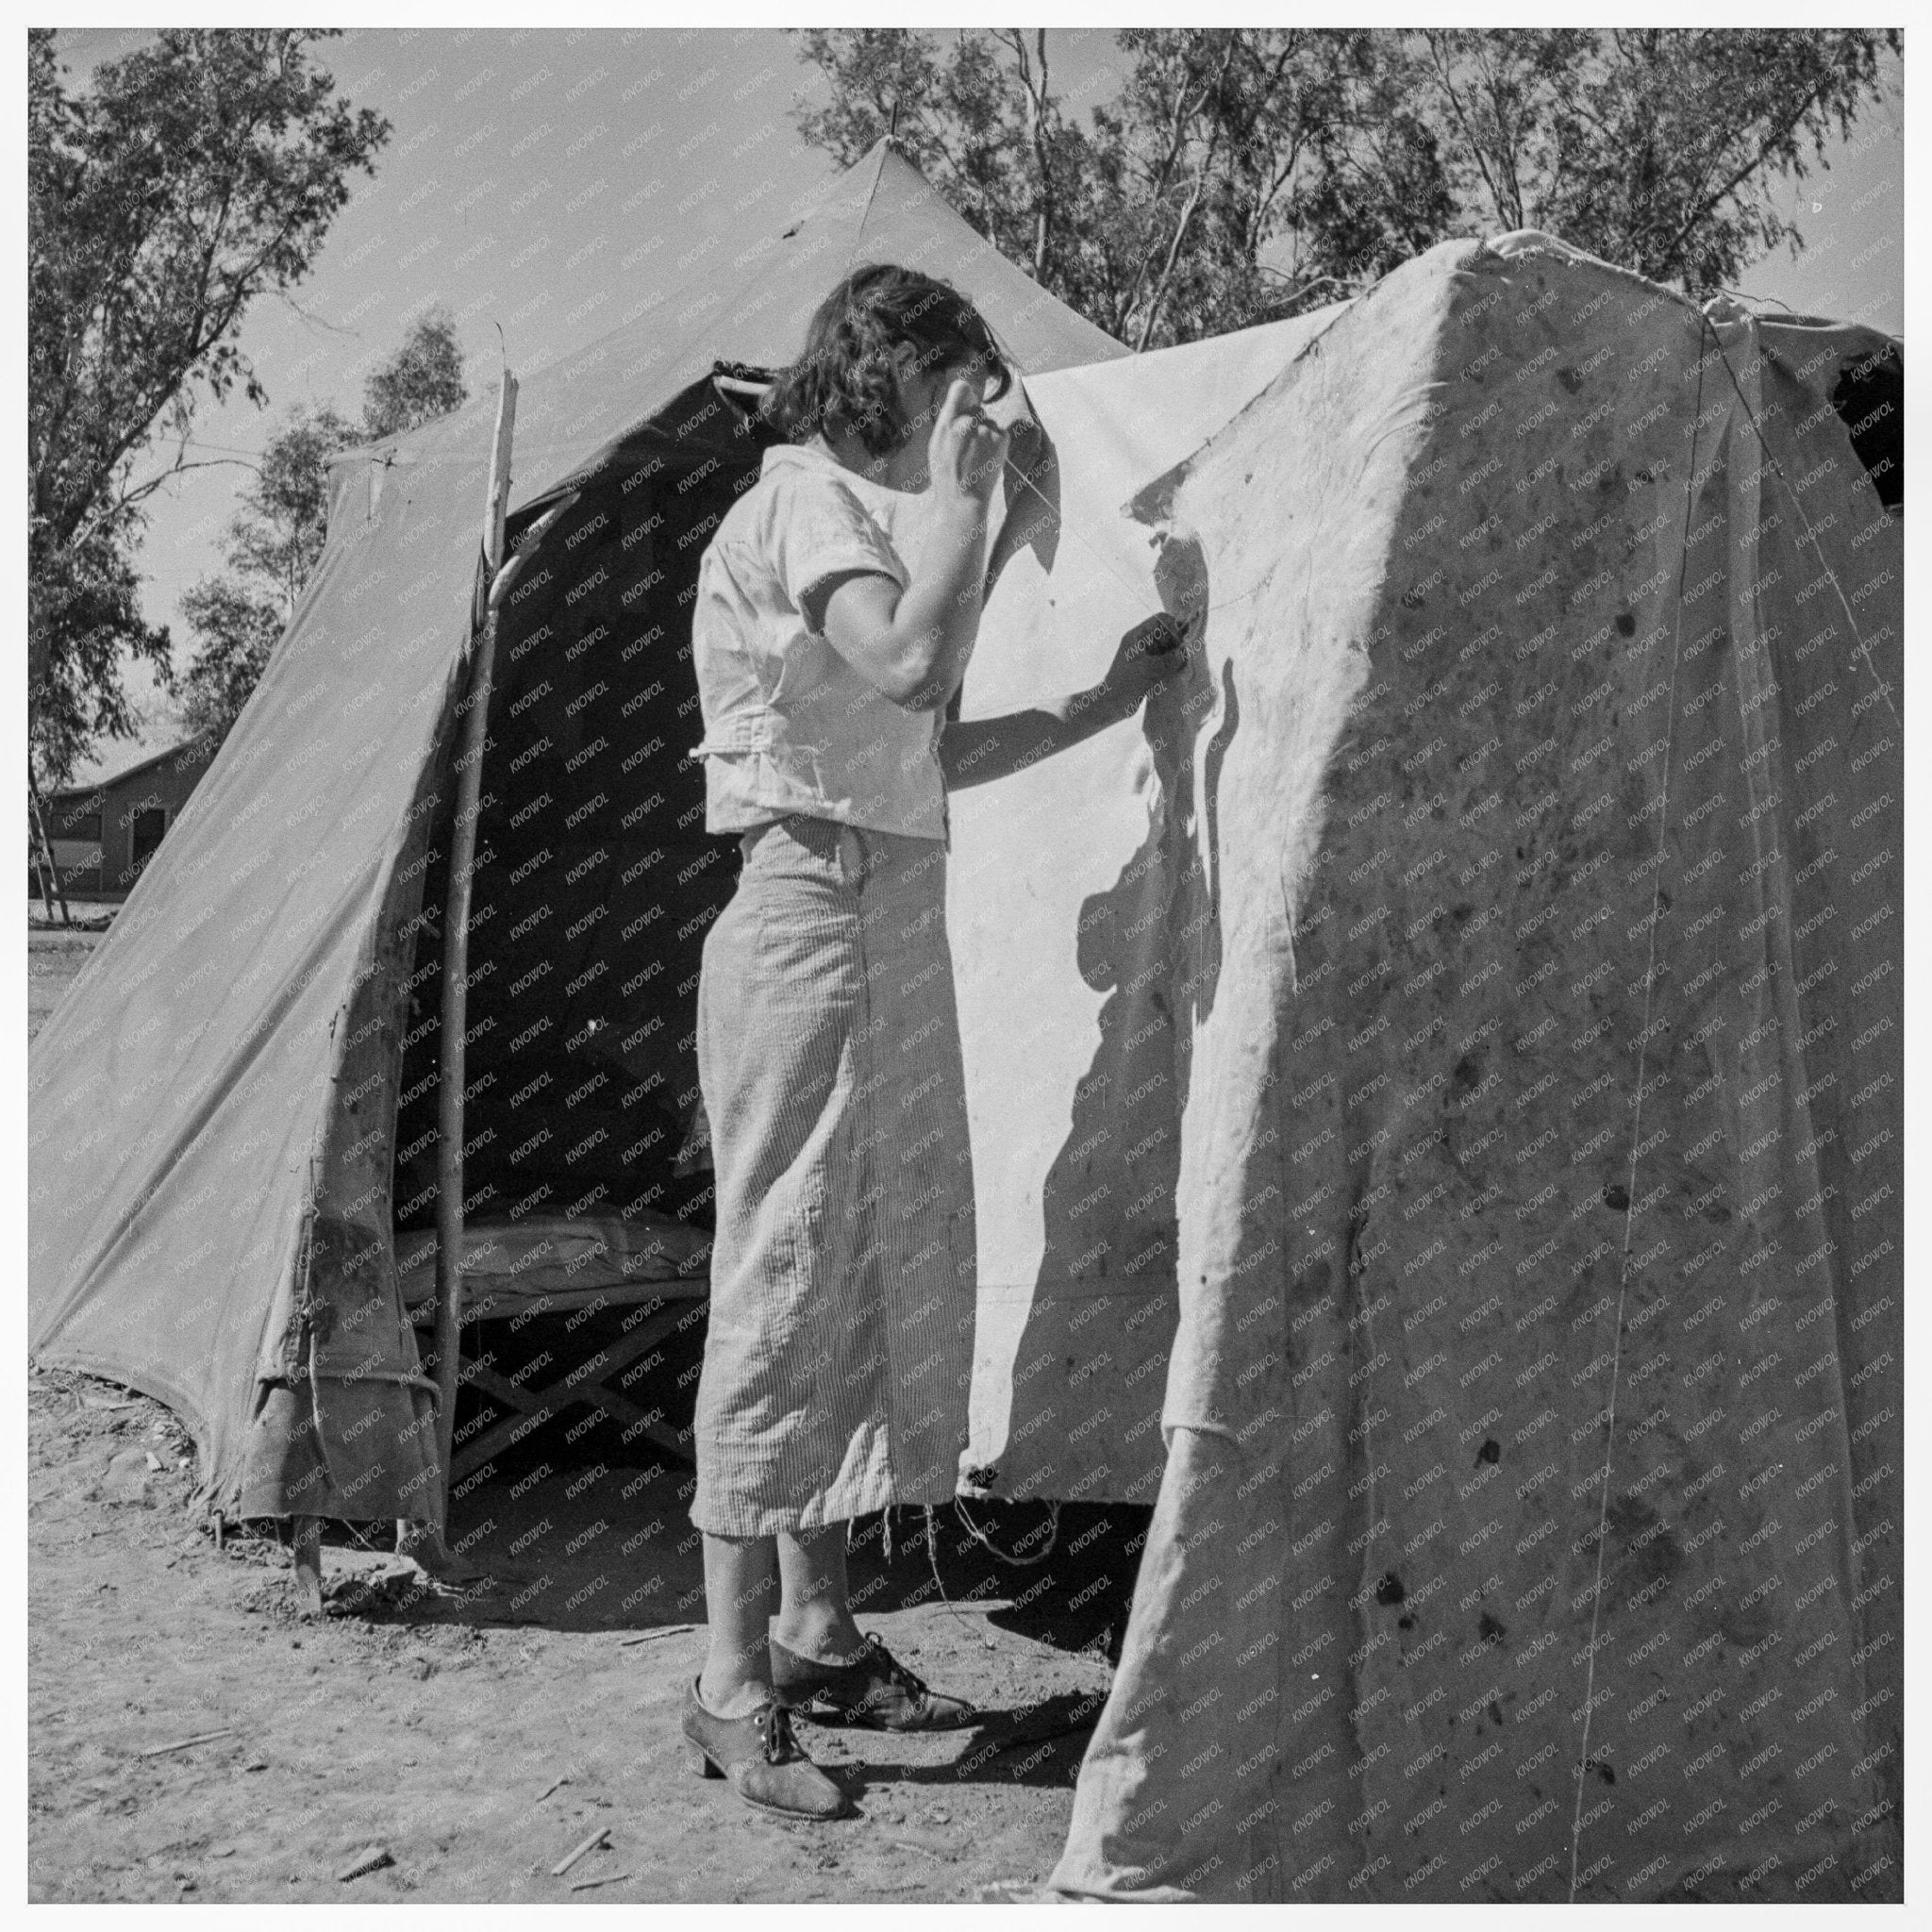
x: 838, y: 1356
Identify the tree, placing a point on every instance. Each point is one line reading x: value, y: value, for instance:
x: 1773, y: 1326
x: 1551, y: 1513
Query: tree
x: 1658, y: 149
x: 183, y: 182
x: 236, y: 630
x: 423, y: 380
x: 1189, y: 204
x: 274, y: 542
x: 1212, y: 164
x: 276, y: 539
x: 1242, y: 173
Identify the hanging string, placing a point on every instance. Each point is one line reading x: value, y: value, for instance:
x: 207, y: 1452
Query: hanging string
x: 985, y: 1543
x: 1635, y: 1130
x: 932, y: 1556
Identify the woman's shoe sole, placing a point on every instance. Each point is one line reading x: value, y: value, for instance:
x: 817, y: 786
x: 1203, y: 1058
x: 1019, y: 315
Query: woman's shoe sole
x: 698, y: 1762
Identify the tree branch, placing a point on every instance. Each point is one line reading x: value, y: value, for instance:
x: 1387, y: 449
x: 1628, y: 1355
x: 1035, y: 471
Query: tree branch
x: 1193, y: 201
x: 1476, y: 147
x: 1702, y: 209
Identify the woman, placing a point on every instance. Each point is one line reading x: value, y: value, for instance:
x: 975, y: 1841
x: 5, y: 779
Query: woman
x: 836, y: 606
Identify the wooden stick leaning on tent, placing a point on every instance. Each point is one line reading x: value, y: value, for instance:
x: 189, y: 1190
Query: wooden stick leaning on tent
x: 456, y: 949
x: 425, y: 1543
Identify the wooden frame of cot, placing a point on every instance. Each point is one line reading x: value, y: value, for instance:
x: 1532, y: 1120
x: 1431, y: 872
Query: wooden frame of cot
x: 655, y: 1268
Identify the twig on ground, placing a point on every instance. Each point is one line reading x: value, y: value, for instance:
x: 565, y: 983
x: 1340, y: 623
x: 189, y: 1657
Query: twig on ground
x: 182, y: 1743
x: 907, y: 1844
x: 651, y: 1636
x: 596, y: 1839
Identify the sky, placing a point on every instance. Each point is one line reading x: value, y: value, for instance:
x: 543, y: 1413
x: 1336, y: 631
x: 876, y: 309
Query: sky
x: 537, y: 180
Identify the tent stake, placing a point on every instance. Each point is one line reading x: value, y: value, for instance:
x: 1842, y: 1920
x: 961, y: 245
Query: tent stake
x: 455, y: 955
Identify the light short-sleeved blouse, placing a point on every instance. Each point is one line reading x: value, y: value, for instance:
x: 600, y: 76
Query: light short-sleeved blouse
x: 790, y: 724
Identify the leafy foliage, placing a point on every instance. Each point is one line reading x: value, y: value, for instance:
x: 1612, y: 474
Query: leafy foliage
x: 183, y: 182
x: 423, y: 380
x: 277, y: 540
x: 1242, y: 174
x: 1657, y: 149
x: 83, y: 601
x: 236, y: 630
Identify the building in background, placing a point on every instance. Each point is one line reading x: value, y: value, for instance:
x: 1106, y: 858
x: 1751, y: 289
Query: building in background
x: 103, y: 835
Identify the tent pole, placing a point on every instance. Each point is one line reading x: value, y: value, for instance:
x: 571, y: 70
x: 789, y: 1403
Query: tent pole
x: 455, y: 955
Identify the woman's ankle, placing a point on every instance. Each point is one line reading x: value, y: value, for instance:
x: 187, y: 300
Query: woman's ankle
x: 823, y: 1637
x: 731, y: 1693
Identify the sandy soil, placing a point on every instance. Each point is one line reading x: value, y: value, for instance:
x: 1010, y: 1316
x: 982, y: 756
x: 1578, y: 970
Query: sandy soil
x: 436, y: 1725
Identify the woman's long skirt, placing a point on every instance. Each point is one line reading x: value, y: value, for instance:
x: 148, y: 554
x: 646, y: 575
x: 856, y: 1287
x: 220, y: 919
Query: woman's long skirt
x: 839, y: 1357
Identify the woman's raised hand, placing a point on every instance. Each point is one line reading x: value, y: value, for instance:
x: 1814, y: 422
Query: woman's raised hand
x: 1150, y: 654
x: 967, y: 448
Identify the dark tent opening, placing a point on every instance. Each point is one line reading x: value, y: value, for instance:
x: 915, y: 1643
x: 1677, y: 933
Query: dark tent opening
x: 594, y: 884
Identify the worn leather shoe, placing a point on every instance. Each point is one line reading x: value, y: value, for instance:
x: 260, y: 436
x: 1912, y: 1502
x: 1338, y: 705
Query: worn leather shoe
x: 762, y: 1759
x: 874, y: 1690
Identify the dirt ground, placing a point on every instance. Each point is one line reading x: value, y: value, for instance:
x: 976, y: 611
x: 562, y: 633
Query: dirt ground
x: 478, y: 1738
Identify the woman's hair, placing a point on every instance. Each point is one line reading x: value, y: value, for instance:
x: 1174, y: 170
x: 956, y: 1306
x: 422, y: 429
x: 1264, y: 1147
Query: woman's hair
x: 845, y: 380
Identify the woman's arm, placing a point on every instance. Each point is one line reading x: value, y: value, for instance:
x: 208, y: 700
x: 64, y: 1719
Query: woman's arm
x: 913, y: 643
x: 972, y: 751
x: 976, y: 750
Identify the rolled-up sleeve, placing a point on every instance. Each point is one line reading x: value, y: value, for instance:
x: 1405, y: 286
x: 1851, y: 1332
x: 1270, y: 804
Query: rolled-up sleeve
x: 819, y: 531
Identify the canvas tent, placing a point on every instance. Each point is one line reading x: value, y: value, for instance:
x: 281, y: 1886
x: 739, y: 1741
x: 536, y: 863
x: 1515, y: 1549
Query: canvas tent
x: 1314, y: 1195
x: 1488, y: 968
x: 234, y: 1098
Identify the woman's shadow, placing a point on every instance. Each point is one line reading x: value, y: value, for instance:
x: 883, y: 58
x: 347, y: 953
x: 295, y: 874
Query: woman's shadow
x: 1152, y: 942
